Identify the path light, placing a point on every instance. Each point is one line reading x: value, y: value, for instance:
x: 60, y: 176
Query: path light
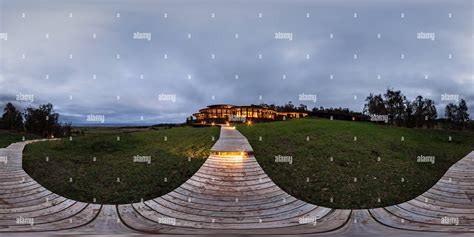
x: 213, y: 124
x: 235, y: 158
x: 249, y: 122
x: 233, y: 150
x: 229, y: 153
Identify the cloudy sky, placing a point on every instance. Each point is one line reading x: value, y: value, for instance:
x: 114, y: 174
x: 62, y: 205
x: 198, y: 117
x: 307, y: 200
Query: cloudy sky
x: 210, y: 52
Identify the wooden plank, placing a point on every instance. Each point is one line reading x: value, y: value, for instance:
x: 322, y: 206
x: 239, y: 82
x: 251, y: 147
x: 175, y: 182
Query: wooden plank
x: 41, y: 204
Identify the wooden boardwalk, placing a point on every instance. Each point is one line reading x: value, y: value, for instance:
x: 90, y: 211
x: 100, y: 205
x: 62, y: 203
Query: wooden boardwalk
x: 232, y: 195
x: 26, y: 206
x: 231, y: 142
x: 448, y: 206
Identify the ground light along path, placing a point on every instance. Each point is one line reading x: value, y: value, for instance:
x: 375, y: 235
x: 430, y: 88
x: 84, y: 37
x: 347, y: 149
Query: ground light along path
x: 230, y: 193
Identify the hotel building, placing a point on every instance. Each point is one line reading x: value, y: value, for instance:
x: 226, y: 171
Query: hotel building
x: 223, y: 113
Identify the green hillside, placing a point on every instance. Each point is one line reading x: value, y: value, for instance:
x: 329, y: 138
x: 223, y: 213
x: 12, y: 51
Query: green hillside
x: 354, y: 158
x: 169, y: 166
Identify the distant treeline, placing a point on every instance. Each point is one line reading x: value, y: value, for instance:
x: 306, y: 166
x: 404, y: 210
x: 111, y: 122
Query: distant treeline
x: 335, y: 113
x: 289, y: 107
x: 420, y: 112
x: 42, y: 121
x: 395, y: 109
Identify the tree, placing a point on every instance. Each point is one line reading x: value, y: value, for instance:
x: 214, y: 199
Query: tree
x: 424, y: 112
x: 462, y: 114
x: 42, y: 121
x: 12, y: 119
x: 302, y: 108
x: 450, y: 112
x: 418, y: 107
x: 272, y: 106
x: 375, y: 105
x: 429, y: 113
x: 287, y: 107
x: 408, y: 116
x: 268, y: 106
x: 395, y: 104
x: 457, y: 115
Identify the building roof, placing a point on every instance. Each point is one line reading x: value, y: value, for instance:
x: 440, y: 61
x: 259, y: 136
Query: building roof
x: 221, y: 105
x: 229, y: 106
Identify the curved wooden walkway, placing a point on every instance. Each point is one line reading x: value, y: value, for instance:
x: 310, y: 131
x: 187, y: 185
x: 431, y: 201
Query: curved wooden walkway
x: 26, y: 206
x: 232, y: 195
x: 447, y: 207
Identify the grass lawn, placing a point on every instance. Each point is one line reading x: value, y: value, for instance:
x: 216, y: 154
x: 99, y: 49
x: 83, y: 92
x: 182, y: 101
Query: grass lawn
x: 354, y: 159
x: 168, y: 169
x: 9, y: 137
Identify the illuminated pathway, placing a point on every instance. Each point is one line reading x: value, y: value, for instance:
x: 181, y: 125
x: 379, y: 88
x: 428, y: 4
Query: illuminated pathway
x: 230, y: 193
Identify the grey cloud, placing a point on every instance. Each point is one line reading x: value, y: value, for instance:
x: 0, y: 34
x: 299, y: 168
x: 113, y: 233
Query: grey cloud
x: 233, y: 56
